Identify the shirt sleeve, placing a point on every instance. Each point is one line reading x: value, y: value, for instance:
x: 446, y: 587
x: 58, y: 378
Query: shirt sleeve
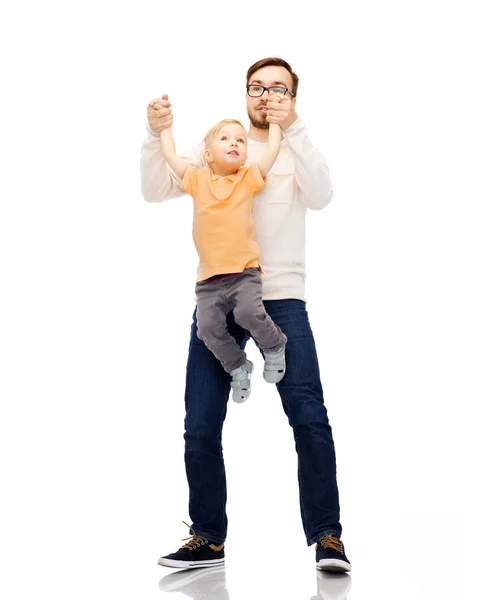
x: 158, y: 182
x: 311, y: 169
x: 253, y: 179
x: 189, y: 181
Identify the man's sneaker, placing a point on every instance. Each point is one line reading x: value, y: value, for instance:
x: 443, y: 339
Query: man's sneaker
x: 330, y: 555
x: 197, y: 552
x: 274, y: 365
x: 241, y: 381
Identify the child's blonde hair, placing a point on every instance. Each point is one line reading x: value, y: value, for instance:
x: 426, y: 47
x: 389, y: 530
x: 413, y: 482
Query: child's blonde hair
x: 216, y: 129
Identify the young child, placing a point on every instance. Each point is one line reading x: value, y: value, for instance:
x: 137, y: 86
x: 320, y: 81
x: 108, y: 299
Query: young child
x: 229, y: 274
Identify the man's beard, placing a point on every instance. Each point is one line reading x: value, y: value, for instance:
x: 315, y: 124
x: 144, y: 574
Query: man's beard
x: 258, y: 123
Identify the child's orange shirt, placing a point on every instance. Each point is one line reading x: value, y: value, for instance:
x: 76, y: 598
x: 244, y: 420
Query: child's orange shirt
x: 223, y: 228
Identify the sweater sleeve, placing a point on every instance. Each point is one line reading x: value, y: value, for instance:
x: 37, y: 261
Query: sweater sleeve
x: 253, y: 179
x: 158, y: 182
x: 311, y: 169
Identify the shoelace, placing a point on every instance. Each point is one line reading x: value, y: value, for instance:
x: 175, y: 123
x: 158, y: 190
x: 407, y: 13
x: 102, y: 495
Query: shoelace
x: 330, y: 541
x: 194, y: 539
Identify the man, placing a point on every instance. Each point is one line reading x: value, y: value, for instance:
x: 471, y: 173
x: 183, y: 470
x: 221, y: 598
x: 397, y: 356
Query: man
x: 298, y: 180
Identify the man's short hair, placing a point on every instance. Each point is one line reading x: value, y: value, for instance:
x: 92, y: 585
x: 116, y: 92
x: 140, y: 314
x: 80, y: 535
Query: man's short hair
x: 274, y: 62
x: 216, y: 128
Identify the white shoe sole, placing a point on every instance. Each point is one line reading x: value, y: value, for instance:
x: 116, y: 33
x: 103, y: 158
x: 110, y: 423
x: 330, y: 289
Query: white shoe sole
x: 333, y: 564
x: 187, y: 564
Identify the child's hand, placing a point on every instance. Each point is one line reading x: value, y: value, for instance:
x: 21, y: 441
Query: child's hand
x: 159, y: 114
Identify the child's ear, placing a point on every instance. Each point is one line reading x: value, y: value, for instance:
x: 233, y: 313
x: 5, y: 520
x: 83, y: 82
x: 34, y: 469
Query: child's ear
x: 208, y: 156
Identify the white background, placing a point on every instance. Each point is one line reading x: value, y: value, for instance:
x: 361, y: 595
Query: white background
x: 97, y: 295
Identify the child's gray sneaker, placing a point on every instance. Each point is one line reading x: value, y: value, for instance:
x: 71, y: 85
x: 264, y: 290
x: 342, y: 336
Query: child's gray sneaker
x: 241, y: 383
x: 274, y: 365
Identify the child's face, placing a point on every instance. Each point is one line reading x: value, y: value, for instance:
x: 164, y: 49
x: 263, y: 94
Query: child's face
x: 227, y: 150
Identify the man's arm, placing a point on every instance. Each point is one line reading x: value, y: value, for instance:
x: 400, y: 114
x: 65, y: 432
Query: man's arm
x: 158, y: 182
x: 311, y: 169
x: 268, y: 158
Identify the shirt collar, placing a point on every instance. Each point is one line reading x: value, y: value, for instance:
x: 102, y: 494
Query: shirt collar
x: 231, y: 177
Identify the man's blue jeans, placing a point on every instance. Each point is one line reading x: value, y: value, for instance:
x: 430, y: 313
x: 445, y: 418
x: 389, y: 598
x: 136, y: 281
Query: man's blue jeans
x: 206, y: 397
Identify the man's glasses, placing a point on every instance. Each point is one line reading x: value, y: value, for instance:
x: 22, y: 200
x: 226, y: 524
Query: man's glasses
x: 256, y: 91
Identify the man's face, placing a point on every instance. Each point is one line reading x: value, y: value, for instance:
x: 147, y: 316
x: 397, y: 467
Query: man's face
x: 267, y: 76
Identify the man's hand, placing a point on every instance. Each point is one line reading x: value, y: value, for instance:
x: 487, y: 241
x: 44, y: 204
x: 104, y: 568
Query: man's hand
x: 159, y: 114
x: 280, y: 110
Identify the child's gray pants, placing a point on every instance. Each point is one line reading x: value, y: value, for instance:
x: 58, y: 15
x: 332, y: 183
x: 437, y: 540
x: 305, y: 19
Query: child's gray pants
x: 242, y: 293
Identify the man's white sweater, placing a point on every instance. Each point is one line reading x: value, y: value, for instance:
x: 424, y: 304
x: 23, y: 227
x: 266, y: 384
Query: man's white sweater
x: 298, y: 180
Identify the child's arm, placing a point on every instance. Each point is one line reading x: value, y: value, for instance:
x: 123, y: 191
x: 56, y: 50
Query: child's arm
x: 167, y: 145
x: 267, y: 159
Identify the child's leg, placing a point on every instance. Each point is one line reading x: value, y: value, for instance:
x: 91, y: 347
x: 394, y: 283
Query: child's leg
x: 249, y: 312
x: 212, y: 308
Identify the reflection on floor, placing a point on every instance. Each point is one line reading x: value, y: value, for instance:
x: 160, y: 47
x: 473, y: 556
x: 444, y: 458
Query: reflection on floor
x: 210, y: 584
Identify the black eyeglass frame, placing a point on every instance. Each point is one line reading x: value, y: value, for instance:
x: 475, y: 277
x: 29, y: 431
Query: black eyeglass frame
x: 266, y: 89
